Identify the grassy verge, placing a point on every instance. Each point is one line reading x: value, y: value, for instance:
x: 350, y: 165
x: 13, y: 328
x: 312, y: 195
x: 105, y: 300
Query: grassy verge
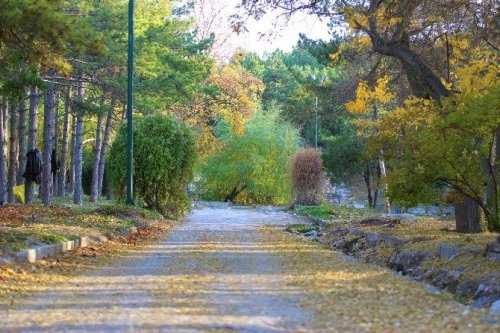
x: 428, y: 232
x: 25, y: 226
x: 333, y: 213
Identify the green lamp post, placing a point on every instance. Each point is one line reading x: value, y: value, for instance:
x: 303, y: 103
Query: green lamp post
x: 130, y: 105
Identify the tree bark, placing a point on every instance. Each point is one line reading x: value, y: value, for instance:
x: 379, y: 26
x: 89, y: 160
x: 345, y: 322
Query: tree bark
x: 22, y: 139
x: 65, y: 145
x: 55, y: 173
x: 491, y: 167
x: 33, y: 126
x: 423, y: 82
x: 94, y: 188
x: 71, y: 183
x: 234, y: 193
x: 13, y: 152
x: 48, y: 135
x: 366, y: 177
x: 105, y: 145
x: 3, y: 143
x: 383, y: 174
x: 467, y: 216
x: 78, y: 191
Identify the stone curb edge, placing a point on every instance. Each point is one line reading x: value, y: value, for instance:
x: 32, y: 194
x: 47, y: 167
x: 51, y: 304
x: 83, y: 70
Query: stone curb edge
x: 44, y: 251
x: 40, y: 252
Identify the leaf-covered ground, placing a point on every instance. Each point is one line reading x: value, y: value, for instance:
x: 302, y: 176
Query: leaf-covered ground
x: 25, y: 226
x: 21, y: 280
x: 236, y: 270
x: 435, y: 230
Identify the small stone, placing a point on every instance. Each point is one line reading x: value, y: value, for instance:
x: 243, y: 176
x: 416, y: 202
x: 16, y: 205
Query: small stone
x: 5, y: 261
x: 467, y: 288
x: 448, y: 252
x: 311, y: 234
x: 433, y: 289
x: 495, y: 307
x: 483, y: 302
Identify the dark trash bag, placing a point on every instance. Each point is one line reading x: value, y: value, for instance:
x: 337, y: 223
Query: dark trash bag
x: 54, y: 163
x: 33, y: 170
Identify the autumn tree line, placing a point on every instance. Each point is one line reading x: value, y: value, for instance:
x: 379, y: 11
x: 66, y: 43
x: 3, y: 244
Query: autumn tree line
x: 406, y: 96
x: 417, y: 93
x: 63, y: 86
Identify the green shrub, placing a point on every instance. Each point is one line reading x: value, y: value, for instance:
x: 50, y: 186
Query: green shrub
x: 164, y: 154
x: 252, y: 168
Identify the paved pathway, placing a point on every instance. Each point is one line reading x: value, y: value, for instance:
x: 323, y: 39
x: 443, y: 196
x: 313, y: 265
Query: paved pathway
x: 222, y: 271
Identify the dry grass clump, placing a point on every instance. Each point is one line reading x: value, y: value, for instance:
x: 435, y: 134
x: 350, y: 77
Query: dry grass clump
x: 307, y: 177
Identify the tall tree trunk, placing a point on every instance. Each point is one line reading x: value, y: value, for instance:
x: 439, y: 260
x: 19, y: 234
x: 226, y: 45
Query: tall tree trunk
x: 94, y: 188
x: 105, y: 144
x: 71, y: 183
x: 78, y: 190
x: 13, y: 152
x: 490, y: 165
x: 467, y: 213
x: 65, y: 145
x: 3, y: 161
x: 55, y: 172
x: 48, y: 135
x: 22, y: 138
x: 383, y: 175
x: 33, y: 126
x: 366, y: 177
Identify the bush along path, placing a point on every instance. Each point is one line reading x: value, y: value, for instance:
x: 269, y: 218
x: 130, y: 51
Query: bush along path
x: 228, y: 270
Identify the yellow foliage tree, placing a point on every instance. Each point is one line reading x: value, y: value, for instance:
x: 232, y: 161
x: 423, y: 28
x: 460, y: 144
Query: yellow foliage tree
x: 232, y: 95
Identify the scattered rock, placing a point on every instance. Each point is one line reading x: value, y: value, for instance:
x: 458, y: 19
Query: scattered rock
x: 98, y: 238
x: 311, y: 234
x: 433, y: 289
x: 489, y: 286
x: 372, y: 238
x: 451, y: 252
x: 467, y: 288
x: 347, y: 246
x: 395, y: 241
x: 405, y: 261
x: 444, y: 278
x: 483, y: 302
x: 493, y: 256
x: 420, y: 239
x: 385, y: 250
x: 493, y: 251
x: 448, y: 252
x: 493, y: 247
x: 354, y: 230
x: 5, y: 261
x: 379, y: 220
x: 495, y: 307
x: 402, y: 217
